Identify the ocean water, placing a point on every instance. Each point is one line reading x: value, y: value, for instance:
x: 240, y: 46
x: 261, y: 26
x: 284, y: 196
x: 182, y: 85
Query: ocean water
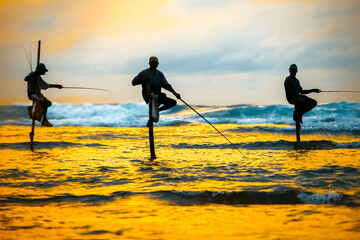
x: 90, y: 177
x: 333, y: 117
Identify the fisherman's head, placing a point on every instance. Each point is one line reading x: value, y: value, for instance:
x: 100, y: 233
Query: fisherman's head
x: 41, y: 68
x: 153, y: 62
x: 293, y: 69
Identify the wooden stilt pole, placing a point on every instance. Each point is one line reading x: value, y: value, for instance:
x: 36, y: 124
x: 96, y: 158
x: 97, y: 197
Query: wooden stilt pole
x: 32, y: 133
x: 298, y: 127
x: 151, y: 131
x: 150, y: 122
x: 297, y: 122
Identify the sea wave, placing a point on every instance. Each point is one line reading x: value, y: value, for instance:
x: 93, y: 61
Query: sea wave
x: 338, y: 117
x: 259, y: 145
x: 189, y: 198
x: 273, y: 145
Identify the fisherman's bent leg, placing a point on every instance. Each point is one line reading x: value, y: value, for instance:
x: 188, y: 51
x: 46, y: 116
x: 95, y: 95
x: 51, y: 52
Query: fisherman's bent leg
x: 308, y: 105
x: 167, y: 102
x: 46, y: 103
x: 299, y: 103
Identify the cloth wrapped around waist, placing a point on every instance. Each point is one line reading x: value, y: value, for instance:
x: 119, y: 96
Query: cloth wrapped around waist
x: 36, y: 110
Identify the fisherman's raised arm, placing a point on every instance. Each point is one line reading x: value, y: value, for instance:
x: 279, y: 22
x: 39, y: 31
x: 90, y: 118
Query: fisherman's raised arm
x: 139, y: 79
x: 169, y: 88
x: 165, y: 84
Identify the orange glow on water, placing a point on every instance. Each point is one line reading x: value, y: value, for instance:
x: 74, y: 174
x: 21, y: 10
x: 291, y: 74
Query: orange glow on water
x: 101, y: 161
x: 143, y: 218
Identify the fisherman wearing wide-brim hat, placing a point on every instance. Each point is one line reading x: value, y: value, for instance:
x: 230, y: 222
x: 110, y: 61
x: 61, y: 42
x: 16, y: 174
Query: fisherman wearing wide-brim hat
x: 156, y: 80
x: 295, y: 95
x: 34, y: 85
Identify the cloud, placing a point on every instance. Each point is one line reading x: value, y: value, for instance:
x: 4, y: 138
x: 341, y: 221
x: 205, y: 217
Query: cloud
x: 112, y: 39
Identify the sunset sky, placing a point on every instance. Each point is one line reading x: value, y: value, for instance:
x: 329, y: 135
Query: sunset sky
x: 214, y: 52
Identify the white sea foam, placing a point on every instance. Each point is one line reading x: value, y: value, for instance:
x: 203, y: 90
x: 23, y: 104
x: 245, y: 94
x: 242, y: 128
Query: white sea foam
x: 316, y: 198
x: 338, y: 117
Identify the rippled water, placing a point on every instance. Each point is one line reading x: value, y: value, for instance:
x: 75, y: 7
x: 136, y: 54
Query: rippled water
x: 97, y: 183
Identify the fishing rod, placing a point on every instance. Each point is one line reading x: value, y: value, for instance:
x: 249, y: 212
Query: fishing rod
x: 213, y: 127
x: 87, y: 88
x: 343, y: 91
x: 38, y: 54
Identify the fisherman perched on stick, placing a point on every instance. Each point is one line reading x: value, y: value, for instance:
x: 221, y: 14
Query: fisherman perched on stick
x: 152, y: 80
x: 34, y: 85
x: 294, y: 95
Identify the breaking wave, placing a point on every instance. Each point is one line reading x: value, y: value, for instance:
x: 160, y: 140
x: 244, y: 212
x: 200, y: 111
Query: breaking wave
x: 176, y: 197
x: 333, y: 117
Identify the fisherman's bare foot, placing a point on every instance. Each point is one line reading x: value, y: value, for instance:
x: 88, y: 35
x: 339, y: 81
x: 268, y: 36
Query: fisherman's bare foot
x: 46, y: 123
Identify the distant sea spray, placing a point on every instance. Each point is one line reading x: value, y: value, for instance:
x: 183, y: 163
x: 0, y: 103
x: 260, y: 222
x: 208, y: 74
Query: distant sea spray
x: 332, y: 117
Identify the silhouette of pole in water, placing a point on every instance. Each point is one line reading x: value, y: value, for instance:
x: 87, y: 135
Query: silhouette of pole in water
x: 297, y: 123
x: 213, y: 127
x: 151, y: 123
x: 298, y: 128
x: 32, y: 133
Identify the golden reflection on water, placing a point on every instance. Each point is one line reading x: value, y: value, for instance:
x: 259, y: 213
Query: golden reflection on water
x: 100, y: 161
x: 144, y: 218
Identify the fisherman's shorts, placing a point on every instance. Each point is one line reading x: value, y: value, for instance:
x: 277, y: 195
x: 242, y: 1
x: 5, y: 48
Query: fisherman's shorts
x: 44, y: 101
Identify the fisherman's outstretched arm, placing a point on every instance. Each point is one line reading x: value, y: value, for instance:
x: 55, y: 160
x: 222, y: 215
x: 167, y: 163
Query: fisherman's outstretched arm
x: 44, y: 85
x: 59, y: 86
x: 310, y: 91
x: 169, y: 88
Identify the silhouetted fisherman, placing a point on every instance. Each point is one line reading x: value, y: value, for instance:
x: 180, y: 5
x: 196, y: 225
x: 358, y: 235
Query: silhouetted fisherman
x: 294, y: 95
x: 157, y: 81
x: 34, y: 85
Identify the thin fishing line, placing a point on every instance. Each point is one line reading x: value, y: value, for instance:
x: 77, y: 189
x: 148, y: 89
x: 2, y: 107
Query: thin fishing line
x: 31, y: 57
x: 343, y: 91
x: 87, y: 88
x: 213, y: 127
x: 27, y: 57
